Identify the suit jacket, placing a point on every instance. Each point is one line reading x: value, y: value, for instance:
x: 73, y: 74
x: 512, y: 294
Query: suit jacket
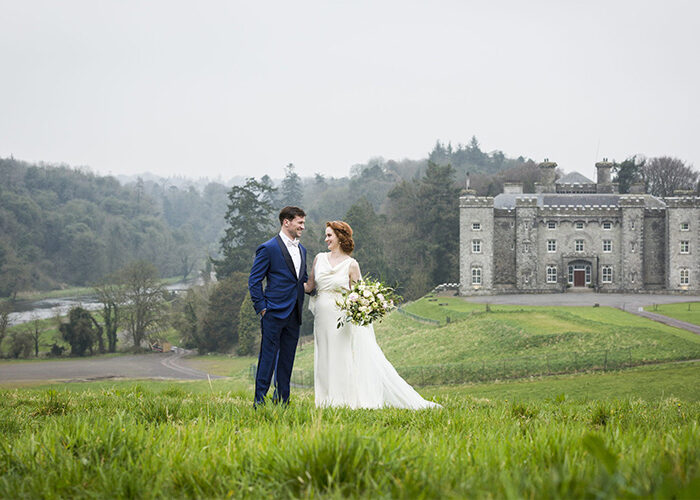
x: 284, y: 290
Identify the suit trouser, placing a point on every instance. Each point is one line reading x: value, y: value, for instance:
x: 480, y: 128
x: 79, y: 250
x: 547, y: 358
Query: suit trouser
x: 277, y: 349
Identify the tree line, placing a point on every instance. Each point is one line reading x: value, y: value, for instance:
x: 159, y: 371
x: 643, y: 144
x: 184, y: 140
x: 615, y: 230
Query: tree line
x: 61, y: 226
x: 405, y: 216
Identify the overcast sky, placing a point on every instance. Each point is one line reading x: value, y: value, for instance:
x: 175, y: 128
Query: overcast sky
x: 227, y: 88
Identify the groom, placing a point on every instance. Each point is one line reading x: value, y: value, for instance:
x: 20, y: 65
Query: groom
x: 282, y: 261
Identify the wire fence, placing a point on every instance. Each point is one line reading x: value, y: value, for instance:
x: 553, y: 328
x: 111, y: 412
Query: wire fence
x: 420, y: 319
x: 483, y: 370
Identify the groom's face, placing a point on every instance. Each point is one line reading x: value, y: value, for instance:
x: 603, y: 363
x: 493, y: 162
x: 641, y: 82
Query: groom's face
x: 294, y: 227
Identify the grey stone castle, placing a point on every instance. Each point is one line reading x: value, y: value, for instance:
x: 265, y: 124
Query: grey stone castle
x: 575, y: 234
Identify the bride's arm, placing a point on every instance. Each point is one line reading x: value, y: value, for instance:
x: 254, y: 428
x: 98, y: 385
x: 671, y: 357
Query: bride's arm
x: 355, y: 274
x: 311, y: 282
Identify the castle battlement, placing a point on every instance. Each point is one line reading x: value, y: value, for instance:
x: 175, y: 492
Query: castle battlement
x: 573, y: 233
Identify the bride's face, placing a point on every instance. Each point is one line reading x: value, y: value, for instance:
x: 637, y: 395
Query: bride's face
x: 331, y: 239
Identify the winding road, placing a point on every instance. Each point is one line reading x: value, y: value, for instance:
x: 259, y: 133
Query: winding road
x: 152, y: 365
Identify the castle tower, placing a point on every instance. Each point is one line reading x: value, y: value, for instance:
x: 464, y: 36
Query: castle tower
x: 547, y: 177
x: 476, y: 244
x: 604, y: 182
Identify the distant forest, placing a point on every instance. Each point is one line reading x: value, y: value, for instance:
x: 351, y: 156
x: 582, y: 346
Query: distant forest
x: 63, y: 226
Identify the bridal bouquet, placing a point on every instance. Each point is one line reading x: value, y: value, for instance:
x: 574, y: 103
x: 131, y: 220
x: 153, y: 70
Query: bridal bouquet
x: 368, y: 300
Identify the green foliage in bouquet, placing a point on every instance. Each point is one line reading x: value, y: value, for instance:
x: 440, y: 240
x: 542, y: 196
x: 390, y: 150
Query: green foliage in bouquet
x: 367, y: 301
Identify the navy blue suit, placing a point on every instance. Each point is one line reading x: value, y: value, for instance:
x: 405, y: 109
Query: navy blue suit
x: 282, y: 299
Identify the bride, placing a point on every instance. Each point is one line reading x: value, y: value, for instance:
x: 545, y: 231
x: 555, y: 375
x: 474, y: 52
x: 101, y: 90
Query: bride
x: 349, y: 367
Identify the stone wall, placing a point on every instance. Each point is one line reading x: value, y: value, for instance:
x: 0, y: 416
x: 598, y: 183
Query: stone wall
x: 654, y: 248
x: 476, y: 210
x: 504, y: 248
x: 683, y: 210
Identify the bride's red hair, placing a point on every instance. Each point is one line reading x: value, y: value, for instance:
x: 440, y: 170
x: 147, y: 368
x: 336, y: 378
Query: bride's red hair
x: 344, y: 233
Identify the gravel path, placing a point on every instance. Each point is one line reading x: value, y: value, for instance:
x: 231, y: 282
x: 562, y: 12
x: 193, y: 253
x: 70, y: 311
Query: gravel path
x: 153, y: 365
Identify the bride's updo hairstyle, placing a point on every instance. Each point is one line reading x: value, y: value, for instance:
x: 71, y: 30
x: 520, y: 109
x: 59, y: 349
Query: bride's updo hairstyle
x: 344, y: 233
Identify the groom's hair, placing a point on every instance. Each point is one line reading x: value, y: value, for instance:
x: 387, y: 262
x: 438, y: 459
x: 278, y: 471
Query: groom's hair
x: 290, y: 213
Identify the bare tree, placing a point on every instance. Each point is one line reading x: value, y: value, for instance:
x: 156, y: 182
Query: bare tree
x: 111, y: 293
x: 144, y: 295
x: 664, y: 175
x: 4, y: 323
x: 34, y: 331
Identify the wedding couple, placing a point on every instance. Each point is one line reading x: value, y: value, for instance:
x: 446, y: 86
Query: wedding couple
x: 350, y: 369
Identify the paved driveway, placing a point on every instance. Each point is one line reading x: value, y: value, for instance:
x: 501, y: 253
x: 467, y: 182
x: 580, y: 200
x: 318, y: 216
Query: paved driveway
x: 154, y: 365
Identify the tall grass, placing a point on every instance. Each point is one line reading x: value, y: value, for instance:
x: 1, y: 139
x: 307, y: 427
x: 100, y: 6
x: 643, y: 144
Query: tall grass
x: 131, y: 441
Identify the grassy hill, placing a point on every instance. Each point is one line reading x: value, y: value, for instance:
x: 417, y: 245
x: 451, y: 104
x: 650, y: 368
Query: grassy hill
x: 515, y: 341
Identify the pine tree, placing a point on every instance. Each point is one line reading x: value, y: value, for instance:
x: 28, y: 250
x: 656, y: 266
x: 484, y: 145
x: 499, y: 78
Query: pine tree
x: 291, y: 191
x: 250, y: 221
x: 248, y: 329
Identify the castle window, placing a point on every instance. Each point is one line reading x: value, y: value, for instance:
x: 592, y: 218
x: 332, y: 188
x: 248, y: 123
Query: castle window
x: 476, y: 246
x: 607, y: 226
x: 476, y: 276
x: 685, y: 276
x: 607, y: 246
x: 476, y: 226
x: 578, y: 225
x: 685, y: 226
x: 551, y: 245
x: 631, y: 224
x: 685, y: 246
x: 551, y: 274
x: 578, y: 245
x: 633, y: 247
x: 551, y: 225
x: 607, y: 274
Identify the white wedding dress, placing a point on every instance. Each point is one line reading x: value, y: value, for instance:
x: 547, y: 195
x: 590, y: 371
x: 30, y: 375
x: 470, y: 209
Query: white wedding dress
x: 349, y: 367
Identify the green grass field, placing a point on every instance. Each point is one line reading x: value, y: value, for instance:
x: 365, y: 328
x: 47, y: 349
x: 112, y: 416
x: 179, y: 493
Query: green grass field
x: 172, y: 440
x: 623, y: 433
x: 684, y: 311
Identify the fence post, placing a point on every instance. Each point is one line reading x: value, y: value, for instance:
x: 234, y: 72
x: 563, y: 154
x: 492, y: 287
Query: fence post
x: 605, y: 364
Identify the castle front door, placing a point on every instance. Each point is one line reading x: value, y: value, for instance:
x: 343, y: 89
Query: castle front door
x: 579, y: 277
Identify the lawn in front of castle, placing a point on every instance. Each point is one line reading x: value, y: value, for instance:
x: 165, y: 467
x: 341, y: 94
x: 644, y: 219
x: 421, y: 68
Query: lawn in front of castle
x: 621, y: 432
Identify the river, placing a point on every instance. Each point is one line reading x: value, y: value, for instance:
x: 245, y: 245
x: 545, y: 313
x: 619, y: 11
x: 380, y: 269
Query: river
x: 29, y: 310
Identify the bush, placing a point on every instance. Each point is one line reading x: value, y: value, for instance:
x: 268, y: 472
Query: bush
x: 21, y: 345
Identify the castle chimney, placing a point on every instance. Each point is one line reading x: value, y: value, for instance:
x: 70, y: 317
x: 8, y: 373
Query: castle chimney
x: 604, y: 168
x: 547, y: 175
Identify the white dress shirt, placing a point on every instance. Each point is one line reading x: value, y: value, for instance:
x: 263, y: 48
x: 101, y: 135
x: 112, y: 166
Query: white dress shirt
x: 293, y: 249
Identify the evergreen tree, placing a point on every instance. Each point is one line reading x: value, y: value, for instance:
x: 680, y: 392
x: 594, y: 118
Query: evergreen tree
x: 248, y: 329
x: 291, y: 191
x: 628, y: 172
x: 79, y: 332
x: 250, y: 221
x: 369, y: 243
x: 220, y: 326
